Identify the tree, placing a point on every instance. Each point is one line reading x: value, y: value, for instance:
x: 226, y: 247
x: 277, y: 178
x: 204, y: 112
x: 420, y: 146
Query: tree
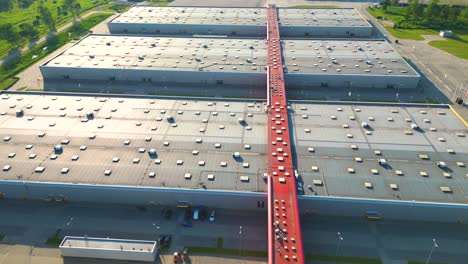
x: 6, y: 5
x: 9, y: 33
x: 72, y: 6
x: 25, y: 3
x: 29, y: 31
x: 77, y: 8
x: 443, y: 14
x: 415, y: 10
x: 463, y: 17
x: 47, y: 17
x: 394, y: 2
x: 432, y: 11
x: 385, y: 4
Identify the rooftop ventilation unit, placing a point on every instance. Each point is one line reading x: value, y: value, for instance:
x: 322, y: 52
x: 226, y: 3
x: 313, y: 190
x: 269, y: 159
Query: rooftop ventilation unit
x: 58, y: 149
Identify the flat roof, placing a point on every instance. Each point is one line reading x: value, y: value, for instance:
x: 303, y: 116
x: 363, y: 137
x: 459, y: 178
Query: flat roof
x: 361, y: 57
x: 165, y: 53
x: 339, y: 142
x: 333, y: 130
x: 321, y: 17
x: 342, y: 17
x: 357, y: 57
x: 108, y: 244
x: 203, y: 135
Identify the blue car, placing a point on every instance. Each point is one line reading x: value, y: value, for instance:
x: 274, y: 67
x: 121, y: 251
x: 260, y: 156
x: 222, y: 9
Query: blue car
x: 186, y: 223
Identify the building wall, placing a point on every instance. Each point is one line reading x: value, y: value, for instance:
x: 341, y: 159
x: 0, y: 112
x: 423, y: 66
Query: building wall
x: 229, y: 78
x: 108, y: 254
x: 353, y: 81
x: 154, y: 76
x: 238, y: 30
x: 326, y: 32
x: 183, y: 29
x: 389, y: 209
x: 131, y: 194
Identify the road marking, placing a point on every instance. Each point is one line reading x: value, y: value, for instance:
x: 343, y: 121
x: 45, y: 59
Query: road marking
x: 458, y: 115
x: 430, y: 71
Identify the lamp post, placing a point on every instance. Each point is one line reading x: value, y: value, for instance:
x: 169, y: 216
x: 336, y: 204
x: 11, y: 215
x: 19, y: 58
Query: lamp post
x: 240, y: 240
x: 434, y: 245
x: 66, y: 225
x: 340, y: 238
x: 156, y: 229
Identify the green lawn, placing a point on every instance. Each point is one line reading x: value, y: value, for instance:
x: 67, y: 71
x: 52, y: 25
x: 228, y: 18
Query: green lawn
x: 7, y: 83
x: 18, y: 16
x: 159, y: 3
x: 313, y: 6
x: 458, y: 45
x: 40, y: 51
x: 117, y: 8
x: 422, y: 262
x: 227, y: 251
x: 414, y: 34
x: 263, y: 254
x: 343, y: 259
x: 395, y: 14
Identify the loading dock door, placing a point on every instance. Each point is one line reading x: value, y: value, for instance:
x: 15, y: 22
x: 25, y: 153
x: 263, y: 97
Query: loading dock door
x: 183, y: 204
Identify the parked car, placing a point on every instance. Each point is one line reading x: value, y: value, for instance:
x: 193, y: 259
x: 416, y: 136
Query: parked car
x: 212, y: 216
x: 186, y: 223
x: 164, y: 240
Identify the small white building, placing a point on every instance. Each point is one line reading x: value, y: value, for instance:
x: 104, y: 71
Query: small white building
x: 109, y: 248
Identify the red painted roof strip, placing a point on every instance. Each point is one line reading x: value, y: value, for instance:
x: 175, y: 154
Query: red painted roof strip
x: 285, y: 239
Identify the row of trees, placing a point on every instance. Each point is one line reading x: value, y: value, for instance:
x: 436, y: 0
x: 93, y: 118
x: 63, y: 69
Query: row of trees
x: 7, y: 5
x: 433, y: 15
x: 28, y: 31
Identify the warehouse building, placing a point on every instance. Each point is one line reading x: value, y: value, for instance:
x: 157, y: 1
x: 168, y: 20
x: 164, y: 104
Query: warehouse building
x: 326, y: 23
x: 380, y: 158
x: 346, y: 64
x: 151, y: 64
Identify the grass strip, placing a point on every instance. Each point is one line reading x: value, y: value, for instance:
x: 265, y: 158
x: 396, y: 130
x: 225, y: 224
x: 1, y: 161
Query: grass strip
x: 422, y: 262
x: 117, y: 8
x: 7, y: 83
x: 343, y: 259
x: 55, y: 240
x: 159, y: 3
x: 227, y: 251
x: 313, y: 6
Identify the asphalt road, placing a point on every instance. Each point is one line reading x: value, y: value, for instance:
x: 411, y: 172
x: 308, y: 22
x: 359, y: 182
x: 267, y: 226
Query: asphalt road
x: 30, y: 223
